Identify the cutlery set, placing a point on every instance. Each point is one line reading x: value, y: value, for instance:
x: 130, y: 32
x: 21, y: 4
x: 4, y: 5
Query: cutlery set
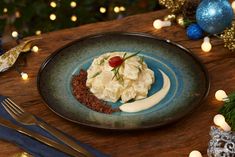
x: 69, y: 147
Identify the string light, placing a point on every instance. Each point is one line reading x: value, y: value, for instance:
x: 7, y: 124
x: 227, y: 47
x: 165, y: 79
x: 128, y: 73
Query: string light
x: 73, y: 4
x: 74, y: 18
x: 102, y: 10
x: 116, y: 9
x: 219, y: 120
x: 158, y: 24
x: 221, y: 95
x: 15, y: 34
x: 206, y: 45
x: 52, y: 17
x: 17, y: 14
x: 53, y: 4
x: 38, y: 32
x: 35, y: 49
x: 233, y: 6
x: 5, y: 10
x: 122, y: 8
x: 195, y: 153
x: 24, y: 76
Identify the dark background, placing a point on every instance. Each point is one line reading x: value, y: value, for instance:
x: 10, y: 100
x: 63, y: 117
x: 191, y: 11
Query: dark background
x: 28, y: 16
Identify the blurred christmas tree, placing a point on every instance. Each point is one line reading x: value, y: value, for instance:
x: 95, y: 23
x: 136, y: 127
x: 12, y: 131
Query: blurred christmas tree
x: 29, y: 17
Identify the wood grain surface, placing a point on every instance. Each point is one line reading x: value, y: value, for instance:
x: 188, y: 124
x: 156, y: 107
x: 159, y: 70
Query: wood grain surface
x: 174, y: 140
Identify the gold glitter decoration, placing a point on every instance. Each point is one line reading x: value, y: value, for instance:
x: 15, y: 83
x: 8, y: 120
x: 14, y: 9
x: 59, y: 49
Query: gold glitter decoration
x: 173, y: 5
x: 189, y: 9
x: 229, y: 37
x: 170, y: 17
x: 180, y: 20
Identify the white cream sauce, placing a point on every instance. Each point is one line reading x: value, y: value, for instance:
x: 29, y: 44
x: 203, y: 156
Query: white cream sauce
x: 151, y: 101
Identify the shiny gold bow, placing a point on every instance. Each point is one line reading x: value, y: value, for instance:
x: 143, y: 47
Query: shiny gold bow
x: 9, y: 58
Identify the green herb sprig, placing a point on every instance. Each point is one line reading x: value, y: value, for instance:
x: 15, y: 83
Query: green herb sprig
x: 96, y: 74
x: 228, y: 110
x: 116, y: 69
x: 102, y: 61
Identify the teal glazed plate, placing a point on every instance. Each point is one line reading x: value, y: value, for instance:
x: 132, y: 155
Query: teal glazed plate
x: 189, y: 80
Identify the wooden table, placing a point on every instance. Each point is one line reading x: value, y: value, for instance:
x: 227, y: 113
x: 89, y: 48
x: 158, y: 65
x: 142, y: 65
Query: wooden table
x: 175, y: 140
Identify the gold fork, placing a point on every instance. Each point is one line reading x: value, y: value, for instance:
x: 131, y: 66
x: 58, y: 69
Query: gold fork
x: 27, y: 118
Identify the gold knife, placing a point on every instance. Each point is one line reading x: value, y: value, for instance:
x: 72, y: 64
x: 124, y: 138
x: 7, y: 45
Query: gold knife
x: 40, y: 138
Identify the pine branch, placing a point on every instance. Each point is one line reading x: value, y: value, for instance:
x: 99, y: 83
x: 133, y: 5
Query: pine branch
x: 228, y: 111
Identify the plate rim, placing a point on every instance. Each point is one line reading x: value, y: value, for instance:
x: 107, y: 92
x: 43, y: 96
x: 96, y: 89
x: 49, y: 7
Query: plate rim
x: 136, y: 34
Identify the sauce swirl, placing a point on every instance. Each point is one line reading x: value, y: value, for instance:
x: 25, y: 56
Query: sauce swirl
x: 149, y: 102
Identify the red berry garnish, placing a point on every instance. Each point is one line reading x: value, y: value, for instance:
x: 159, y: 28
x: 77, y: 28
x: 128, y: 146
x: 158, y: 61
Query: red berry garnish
x: 115, y: 61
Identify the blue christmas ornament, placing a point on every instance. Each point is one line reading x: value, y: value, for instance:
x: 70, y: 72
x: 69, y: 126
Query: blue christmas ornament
x: 213, y: 16
x: 194, y: 32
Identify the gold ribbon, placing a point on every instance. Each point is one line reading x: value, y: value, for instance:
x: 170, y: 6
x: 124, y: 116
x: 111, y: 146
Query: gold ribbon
x: 9, y: 58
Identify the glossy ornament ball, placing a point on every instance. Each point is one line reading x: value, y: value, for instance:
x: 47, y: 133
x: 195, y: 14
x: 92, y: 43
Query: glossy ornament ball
x: 194, y: 32
x: 213, y: 16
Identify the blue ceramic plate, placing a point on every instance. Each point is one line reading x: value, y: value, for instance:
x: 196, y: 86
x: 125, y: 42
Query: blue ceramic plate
x: 189, y: 80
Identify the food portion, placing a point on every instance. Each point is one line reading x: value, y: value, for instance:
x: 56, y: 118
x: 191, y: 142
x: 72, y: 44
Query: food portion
x: 119, y: 76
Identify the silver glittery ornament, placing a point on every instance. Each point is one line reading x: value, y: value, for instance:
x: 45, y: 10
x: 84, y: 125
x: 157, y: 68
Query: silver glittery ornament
x: 213, y: 16
x: 222, y: 144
